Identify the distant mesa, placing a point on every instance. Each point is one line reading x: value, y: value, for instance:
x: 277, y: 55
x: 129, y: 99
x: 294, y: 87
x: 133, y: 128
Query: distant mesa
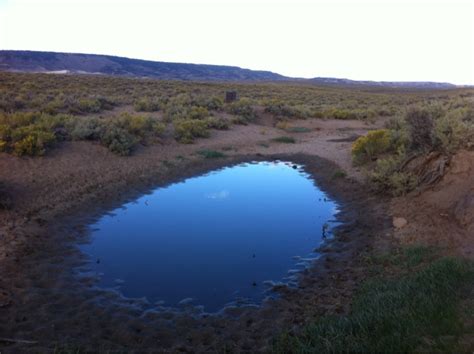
x: 72, y: 63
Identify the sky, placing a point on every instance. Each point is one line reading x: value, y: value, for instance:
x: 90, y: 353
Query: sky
x: 417, y: 40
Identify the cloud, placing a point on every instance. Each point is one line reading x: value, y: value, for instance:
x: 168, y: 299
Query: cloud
x: 223, y: 194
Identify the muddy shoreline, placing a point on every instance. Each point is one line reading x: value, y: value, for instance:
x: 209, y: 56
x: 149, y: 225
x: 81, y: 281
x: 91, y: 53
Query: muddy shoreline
x: 45, y: 303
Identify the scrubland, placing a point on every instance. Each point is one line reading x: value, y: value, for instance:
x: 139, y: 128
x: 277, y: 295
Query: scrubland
x: 390, y: 148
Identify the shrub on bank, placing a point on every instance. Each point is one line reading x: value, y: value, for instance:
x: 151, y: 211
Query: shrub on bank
x: 211, y: 154
x: 452, y: 131
x: 30, y: 133
x: 187, y: 130
x: 369, y: 146
x: 119, y: 134
x: 31, y: 142
x: 387, y: 177
x: 118, y: 140
x: 420, y: 123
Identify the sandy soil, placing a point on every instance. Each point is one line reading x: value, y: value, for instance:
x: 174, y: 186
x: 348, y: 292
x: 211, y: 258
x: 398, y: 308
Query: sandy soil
x: 55, y: 197
x: 443, y: 215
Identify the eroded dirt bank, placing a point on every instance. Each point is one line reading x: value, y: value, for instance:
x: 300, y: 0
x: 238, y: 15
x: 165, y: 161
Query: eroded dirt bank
x: 443, y: 214
x: 56, y: 196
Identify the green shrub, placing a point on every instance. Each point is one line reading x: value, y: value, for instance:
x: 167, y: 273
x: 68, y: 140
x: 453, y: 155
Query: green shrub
x: 83, y: 105
x: 118, y: 140
x: 285, y: 139
x: 198, y: 113
x: 158, y: 128
x: 281, y: 109
x: 420, y: 122
x: 142, y: 127
x: 339, y: 174
x: 187, y: 130
x: 147, y: 104
x: 211, y: 154
x: 178, y: 107
x: 298, y: 130
x: 349, y: 114
x: 337, y: 113
x: 175, y: 112
x: 48, y: 122
x: 239, y: 120
x: 386, y: 177
x: 369, y: 146
x: 243, y: 108
x: 212, y: 103
x: 89, y: 105
x: 18, y: 119
x: 451, y: 132
x: 31, y: 142
x: 217, y: 123
x: 86, y: 129
x: 5, y: 132
x: 30, y: 133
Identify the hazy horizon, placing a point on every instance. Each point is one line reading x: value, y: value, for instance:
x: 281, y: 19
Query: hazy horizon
x: 365, y: 40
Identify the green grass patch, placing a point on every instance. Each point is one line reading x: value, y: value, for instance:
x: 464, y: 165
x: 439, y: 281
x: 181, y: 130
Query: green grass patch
x: 339, y: 174
x: 298, y: 130
x: 394, y: 314
x: 285, y: 140
x: 211, y: 154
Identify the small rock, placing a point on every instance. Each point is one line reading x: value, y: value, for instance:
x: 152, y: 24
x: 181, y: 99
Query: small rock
x: 398, y: 223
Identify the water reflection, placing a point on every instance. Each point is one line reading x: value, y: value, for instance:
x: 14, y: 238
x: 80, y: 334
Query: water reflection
x: 213, y: 239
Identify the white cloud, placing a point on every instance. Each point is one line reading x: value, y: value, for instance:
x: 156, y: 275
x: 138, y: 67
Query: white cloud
x: 218, y: 195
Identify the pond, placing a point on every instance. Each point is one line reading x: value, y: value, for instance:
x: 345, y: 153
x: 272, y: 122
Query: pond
x: 215, y: 239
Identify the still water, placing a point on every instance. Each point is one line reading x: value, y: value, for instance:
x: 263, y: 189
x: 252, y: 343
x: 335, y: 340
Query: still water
x: 216, y: 239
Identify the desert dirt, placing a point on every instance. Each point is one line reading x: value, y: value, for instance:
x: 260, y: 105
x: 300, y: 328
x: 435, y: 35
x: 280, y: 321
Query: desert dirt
x: 443, y: 215
x: 56, y: 196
